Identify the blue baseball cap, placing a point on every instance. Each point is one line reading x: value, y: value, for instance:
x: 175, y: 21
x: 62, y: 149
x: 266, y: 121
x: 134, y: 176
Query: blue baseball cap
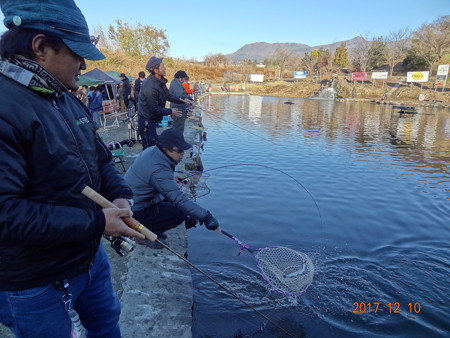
x: 58, y: 18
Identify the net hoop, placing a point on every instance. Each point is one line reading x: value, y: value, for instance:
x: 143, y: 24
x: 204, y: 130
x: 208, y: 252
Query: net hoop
x: 288, y: 271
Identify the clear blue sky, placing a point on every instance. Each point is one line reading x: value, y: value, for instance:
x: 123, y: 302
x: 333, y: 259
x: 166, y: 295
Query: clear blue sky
x: 197, y: 27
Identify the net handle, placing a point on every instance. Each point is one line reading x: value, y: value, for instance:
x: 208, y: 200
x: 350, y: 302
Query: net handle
x: 252, y: 251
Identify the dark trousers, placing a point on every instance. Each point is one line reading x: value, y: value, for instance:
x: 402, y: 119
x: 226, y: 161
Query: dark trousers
x: 147, y: 130
x: 160, y: 217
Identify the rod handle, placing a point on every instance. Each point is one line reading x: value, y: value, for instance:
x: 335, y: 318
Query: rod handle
x: 130, y: 221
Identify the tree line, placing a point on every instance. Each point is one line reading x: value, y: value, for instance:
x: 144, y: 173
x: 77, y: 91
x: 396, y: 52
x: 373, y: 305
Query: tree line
x: 417, y: 50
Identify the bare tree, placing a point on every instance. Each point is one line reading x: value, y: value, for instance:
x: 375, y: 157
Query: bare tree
x: 397, y: 44
x: 281, y: 58
x: 103, y: 43
x: 433, y: 41
x: 310, y: 62
x: 360, y: 55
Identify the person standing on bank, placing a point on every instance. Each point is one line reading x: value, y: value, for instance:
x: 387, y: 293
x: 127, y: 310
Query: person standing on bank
x: 152, y: 102
x: 160, y: 205
x: 96, y: 105
x: 176, y: 89
x: 50, y: 233
x: 126, y: 90
x: 137, y: 88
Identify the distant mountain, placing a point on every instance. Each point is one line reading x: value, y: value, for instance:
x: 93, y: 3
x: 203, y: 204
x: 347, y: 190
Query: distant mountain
x: 260, y: 50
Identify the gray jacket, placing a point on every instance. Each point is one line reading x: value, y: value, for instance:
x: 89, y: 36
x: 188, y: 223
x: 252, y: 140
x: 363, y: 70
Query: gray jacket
x: 151, y: 179
x: 176, y: 89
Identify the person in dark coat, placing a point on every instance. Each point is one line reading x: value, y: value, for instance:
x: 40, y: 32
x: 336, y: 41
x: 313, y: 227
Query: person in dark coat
x: 176, y: 89
x: 160, y: 205
x: 52, y: 262
x: 152, y: 102
x: 137, y: 88
x: 126, y: 90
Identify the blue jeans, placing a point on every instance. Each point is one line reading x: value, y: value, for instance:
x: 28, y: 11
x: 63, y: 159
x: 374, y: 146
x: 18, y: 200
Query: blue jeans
x: 147, y: 130
x: 40, y: 311
x: 96, y: 118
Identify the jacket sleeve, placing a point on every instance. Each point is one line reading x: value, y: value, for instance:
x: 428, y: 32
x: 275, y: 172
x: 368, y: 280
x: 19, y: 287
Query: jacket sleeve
x: 177, y: 90
x: 163, y: 181
x: 169, y: 96
x: 31, y: 222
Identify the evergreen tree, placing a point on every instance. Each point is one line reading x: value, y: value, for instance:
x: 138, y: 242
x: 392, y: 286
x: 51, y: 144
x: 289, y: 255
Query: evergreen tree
x: 341, y: 56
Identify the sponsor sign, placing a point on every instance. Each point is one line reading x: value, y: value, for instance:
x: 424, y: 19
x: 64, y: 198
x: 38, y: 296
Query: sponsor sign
x: 300, y: 74
x: 257, y: 77
x: 441, y: 76
x: 359, y: 76
x: 379, y: 75
x: 443, y: 70
x: 417, y: 76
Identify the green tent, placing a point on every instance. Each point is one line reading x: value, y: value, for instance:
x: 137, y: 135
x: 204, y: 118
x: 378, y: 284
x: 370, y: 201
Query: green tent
x: 89, y: 81
x: 114, y: 73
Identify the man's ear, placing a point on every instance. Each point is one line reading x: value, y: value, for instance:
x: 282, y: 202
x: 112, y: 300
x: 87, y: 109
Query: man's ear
x: 39, y: 47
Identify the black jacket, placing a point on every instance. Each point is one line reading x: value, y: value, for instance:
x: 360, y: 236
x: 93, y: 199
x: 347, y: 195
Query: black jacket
x: 49, y: 151
x: 126, y: 91
x: 152, y: 99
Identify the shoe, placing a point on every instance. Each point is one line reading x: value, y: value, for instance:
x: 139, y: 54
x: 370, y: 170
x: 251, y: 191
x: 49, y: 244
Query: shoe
x: 150, y: 244
x: 162, y: 236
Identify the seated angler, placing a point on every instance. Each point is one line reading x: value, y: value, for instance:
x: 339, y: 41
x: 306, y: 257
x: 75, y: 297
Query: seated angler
x: 159, y: 204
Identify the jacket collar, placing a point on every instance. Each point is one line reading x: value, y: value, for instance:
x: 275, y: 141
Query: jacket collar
x: 171, y: 161
x: 31, y: 74
x: 161, y: 81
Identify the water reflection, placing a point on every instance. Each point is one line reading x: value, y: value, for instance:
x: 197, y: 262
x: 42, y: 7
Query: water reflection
x: 382, y: 184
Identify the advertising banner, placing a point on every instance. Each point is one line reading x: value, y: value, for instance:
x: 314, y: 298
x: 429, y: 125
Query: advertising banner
x: 443, y: 70
x: 441, y: 76
x: 379, y: 75
x: 257, y: 77
x: 300, y: 74
x: 359, y: 76
x: 417, y: 76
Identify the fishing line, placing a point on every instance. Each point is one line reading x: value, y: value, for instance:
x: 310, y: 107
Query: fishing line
x: 267, y: 167
x: 234, y: 124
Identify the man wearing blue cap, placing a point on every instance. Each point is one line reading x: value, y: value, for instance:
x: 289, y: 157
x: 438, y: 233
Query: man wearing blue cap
x: 52, y: 264
x: 152, y: 102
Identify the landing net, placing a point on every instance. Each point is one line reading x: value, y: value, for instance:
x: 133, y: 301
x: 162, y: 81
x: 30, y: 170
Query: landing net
x: 288, y: 271
x: 194, y: 184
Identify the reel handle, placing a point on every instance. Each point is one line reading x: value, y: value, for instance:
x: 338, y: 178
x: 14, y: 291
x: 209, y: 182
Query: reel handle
x: 130, y: 221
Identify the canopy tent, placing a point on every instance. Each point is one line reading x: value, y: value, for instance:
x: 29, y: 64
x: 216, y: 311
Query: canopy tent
x: 89, y: 81
x: 108, y: 80
x: 101, y: 75
x: 116, y: 74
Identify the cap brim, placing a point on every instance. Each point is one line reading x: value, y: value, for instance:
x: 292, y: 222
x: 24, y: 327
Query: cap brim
x: 185, y: 146
x: 84, y: 49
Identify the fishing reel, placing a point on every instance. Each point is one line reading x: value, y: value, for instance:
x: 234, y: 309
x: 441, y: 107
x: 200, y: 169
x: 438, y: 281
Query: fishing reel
x: 122, y: 245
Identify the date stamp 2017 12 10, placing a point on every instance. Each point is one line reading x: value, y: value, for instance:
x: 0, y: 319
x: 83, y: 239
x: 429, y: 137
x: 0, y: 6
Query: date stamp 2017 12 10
x: 373, y: 307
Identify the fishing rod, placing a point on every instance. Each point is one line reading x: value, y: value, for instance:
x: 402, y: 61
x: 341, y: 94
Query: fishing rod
x: 134, y: 224
x: 234, y: 124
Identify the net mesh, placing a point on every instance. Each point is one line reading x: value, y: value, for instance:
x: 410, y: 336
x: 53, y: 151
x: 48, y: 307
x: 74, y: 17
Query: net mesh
x: 287, y: 271
x: 194, y: 184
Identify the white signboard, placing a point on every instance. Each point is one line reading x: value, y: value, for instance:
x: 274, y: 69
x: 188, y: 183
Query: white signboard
x: 417, y: 76
x: 379, y: 75
x: 300, y: 74
x: 257, y: 77
x: 442, y: 70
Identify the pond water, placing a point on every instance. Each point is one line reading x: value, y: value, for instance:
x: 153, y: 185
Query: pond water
x: 380, y: 232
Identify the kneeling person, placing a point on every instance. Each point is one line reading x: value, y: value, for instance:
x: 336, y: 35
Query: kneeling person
x: 159, y: 204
